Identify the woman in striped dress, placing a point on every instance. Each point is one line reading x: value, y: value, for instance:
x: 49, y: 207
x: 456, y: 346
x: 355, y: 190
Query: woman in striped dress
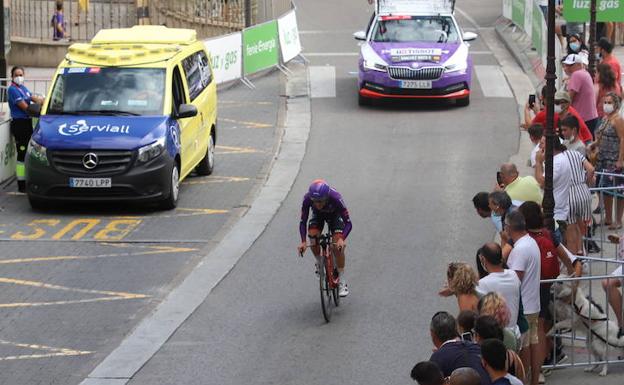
x: 580, y: 200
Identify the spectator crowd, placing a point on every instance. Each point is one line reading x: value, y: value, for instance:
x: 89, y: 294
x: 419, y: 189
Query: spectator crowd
x: 499, y: 334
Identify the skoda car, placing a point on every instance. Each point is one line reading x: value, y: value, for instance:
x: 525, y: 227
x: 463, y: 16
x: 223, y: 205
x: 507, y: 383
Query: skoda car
x: 128, y: 117
x: 420, y: 55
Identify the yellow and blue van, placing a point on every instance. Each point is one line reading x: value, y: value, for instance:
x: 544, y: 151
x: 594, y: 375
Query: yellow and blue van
x: 128, y: 117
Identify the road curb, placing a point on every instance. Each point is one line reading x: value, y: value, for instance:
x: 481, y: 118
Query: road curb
x: 151, y: 334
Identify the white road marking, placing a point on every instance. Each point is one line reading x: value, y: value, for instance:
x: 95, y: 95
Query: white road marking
x: 493, y: 82
x: 468, y: 17
x: 323, y: 81
x: 323, y: 32
x: 313, y: 54
x: 480, y: 53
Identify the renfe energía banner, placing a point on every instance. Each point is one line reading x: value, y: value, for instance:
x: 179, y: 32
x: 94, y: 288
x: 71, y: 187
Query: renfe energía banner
x: 226, y: 56
x: 260, y: 47
x: 606, y: 10
x: 289, y: 36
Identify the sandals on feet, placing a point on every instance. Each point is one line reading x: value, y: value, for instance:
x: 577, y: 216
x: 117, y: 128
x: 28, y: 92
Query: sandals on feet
x: 615, y: 226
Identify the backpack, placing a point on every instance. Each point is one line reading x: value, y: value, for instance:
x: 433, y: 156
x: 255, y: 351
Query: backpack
x: 53, y: 21
x: 549, y: 262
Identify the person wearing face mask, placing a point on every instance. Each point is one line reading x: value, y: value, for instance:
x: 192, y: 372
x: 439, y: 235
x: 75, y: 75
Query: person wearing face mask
x: 576, y: 45
x: 605, y: 78
x: 569, y: 131
x: 563, y: 109
x: 610, y: 144
x: 580, y: 87
x: 604, y: 49
x: 21, y: 123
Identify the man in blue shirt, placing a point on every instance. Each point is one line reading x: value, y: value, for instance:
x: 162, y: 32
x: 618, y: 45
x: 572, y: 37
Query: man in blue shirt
x: 21, y: 123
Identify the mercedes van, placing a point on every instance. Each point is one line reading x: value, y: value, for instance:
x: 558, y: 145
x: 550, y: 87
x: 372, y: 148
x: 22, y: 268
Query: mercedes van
x: 128, y: 116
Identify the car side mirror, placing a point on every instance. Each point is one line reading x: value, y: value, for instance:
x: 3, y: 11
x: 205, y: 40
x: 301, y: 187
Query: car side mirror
x: 34, y: 109
x: 360, y: 35
x: 470, y: 36
x: 185, y: 111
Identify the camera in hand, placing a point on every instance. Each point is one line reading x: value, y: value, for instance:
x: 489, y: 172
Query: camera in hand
x: 531, y: 100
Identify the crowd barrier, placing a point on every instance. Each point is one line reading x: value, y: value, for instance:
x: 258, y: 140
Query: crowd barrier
x: 238, y: 55
x: 594, y: 322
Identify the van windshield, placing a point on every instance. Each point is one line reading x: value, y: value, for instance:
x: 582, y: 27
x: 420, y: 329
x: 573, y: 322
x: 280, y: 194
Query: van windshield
x: 108, y: 91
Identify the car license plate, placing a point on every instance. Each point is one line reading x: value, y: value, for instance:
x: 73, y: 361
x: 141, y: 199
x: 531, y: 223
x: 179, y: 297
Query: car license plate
x: 90, y: 182
x: 419, y: 84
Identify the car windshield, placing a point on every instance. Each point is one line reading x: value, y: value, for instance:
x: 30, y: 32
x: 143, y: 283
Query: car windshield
x: 108, y: 91
x: 406, y: 29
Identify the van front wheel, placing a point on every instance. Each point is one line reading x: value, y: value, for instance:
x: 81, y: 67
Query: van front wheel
x: 206, y: 166
x: 171, y: 202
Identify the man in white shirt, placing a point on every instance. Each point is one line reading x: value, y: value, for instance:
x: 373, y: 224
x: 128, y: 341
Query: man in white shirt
x: 524, y: 259
x: 502, y: 281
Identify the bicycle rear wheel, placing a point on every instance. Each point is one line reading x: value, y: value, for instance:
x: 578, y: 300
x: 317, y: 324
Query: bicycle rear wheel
x: 325, y: 293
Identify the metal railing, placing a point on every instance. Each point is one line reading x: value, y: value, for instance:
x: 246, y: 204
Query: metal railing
x: 586, y: 321
x: 32, y: 19
x: 187, y: 13
x: 605, y: 262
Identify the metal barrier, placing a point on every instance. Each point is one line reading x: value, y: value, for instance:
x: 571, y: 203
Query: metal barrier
x: 585, y: 316
x: 35, y: 86
x: 32, y: 19
x: 598, y: 320
x: 186, y: 13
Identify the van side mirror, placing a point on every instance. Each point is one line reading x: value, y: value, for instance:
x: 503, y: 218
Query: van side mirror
x: 34, y: 109
x: 185, y: 111
x: 360, y: 35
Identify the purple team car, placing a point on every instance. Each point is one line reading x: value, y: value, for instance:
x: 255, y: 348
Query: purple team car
x: 414, y: 50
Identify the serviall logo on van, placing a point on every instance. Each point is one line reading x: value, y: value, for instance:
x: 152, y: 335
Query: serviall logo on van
x: 81, y: 126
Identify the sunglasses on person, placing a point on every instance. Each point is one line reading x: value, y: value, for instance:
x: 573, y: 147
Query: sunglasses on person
x: 558, y: 102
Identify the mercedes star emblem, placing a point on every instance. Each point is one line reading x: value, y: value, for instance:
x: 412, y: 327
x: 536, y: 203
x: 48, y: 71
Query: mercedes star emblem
x: 90, y: 161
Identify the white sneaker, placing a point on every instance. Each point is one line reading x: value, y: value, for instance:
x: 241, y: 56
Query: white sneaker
x: 542, y: 379
x: 343, y: 289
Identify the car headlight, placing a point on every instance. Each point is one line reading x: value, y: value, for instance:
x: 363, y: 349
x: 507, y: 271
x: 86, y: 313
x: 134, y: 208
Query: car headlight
x: 374, y: 66
x: 458, y: 61
x: 37, y: 152
x: 454, y: 67
x: 151, y: 151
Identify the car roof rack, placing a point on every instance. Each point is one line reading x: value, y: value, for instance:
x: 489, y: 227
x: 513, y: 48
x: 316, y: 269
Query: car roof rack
x: 397, y: 7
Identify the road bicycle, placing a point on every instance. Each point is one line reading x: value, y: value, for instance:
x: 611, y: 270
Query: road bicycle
x: 329, y: 279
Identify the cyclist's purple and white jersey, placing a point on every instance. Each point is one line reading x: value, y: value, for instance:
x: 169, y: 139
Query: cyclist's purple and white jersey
x: 334, y: 206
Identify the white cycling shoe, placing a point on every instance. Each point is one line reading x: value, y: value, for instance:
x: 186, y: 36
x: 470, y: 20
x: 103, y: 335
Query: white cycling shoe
x: 343, y: 289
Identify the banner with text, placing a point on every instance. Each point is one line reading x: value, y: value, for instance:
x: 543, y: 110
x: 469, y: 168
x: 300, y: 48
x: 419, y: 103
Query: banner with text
x: 226, y: 56
x: 606, y: 10
x: 7, y: 152
x: 260, y: 47
x: 290, y: 44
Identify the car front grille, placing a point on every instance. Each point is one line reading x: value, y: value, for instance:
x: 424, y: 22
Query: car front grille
x: 425, y: 73
x: 109, y: 162
x: 115, y: 191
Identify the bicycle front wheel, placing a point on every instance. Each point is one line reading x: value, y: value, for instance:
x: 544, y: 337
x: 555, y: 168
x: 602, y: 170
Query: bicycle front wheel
x: 325, y: 293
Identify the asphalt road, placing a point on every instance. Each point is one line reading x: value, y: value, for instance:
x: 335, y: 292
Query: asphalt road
x: 75, y: 280
x: 408, y: 174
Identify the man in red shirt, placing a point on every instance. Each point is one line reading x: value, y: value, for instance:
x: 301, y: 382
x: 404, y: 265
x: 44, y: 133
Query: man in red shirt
x: 563, y: 108
x: 605, y: 49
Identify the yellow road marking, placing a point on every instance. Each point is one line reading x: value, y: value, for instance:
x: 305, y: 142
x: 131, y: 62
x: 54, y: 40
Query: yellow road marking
x: 246, y: 123
x: 236, y: 150
x: 50, y: 351
x: 154, y: 250
x: 110, y: 295
x: 216, y: 179
x: 194, y: 212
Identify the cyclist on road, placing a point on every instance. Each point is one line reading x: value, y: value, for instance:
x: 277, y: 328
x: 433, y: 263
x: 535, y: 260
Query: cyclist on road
x: 327, y: 207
